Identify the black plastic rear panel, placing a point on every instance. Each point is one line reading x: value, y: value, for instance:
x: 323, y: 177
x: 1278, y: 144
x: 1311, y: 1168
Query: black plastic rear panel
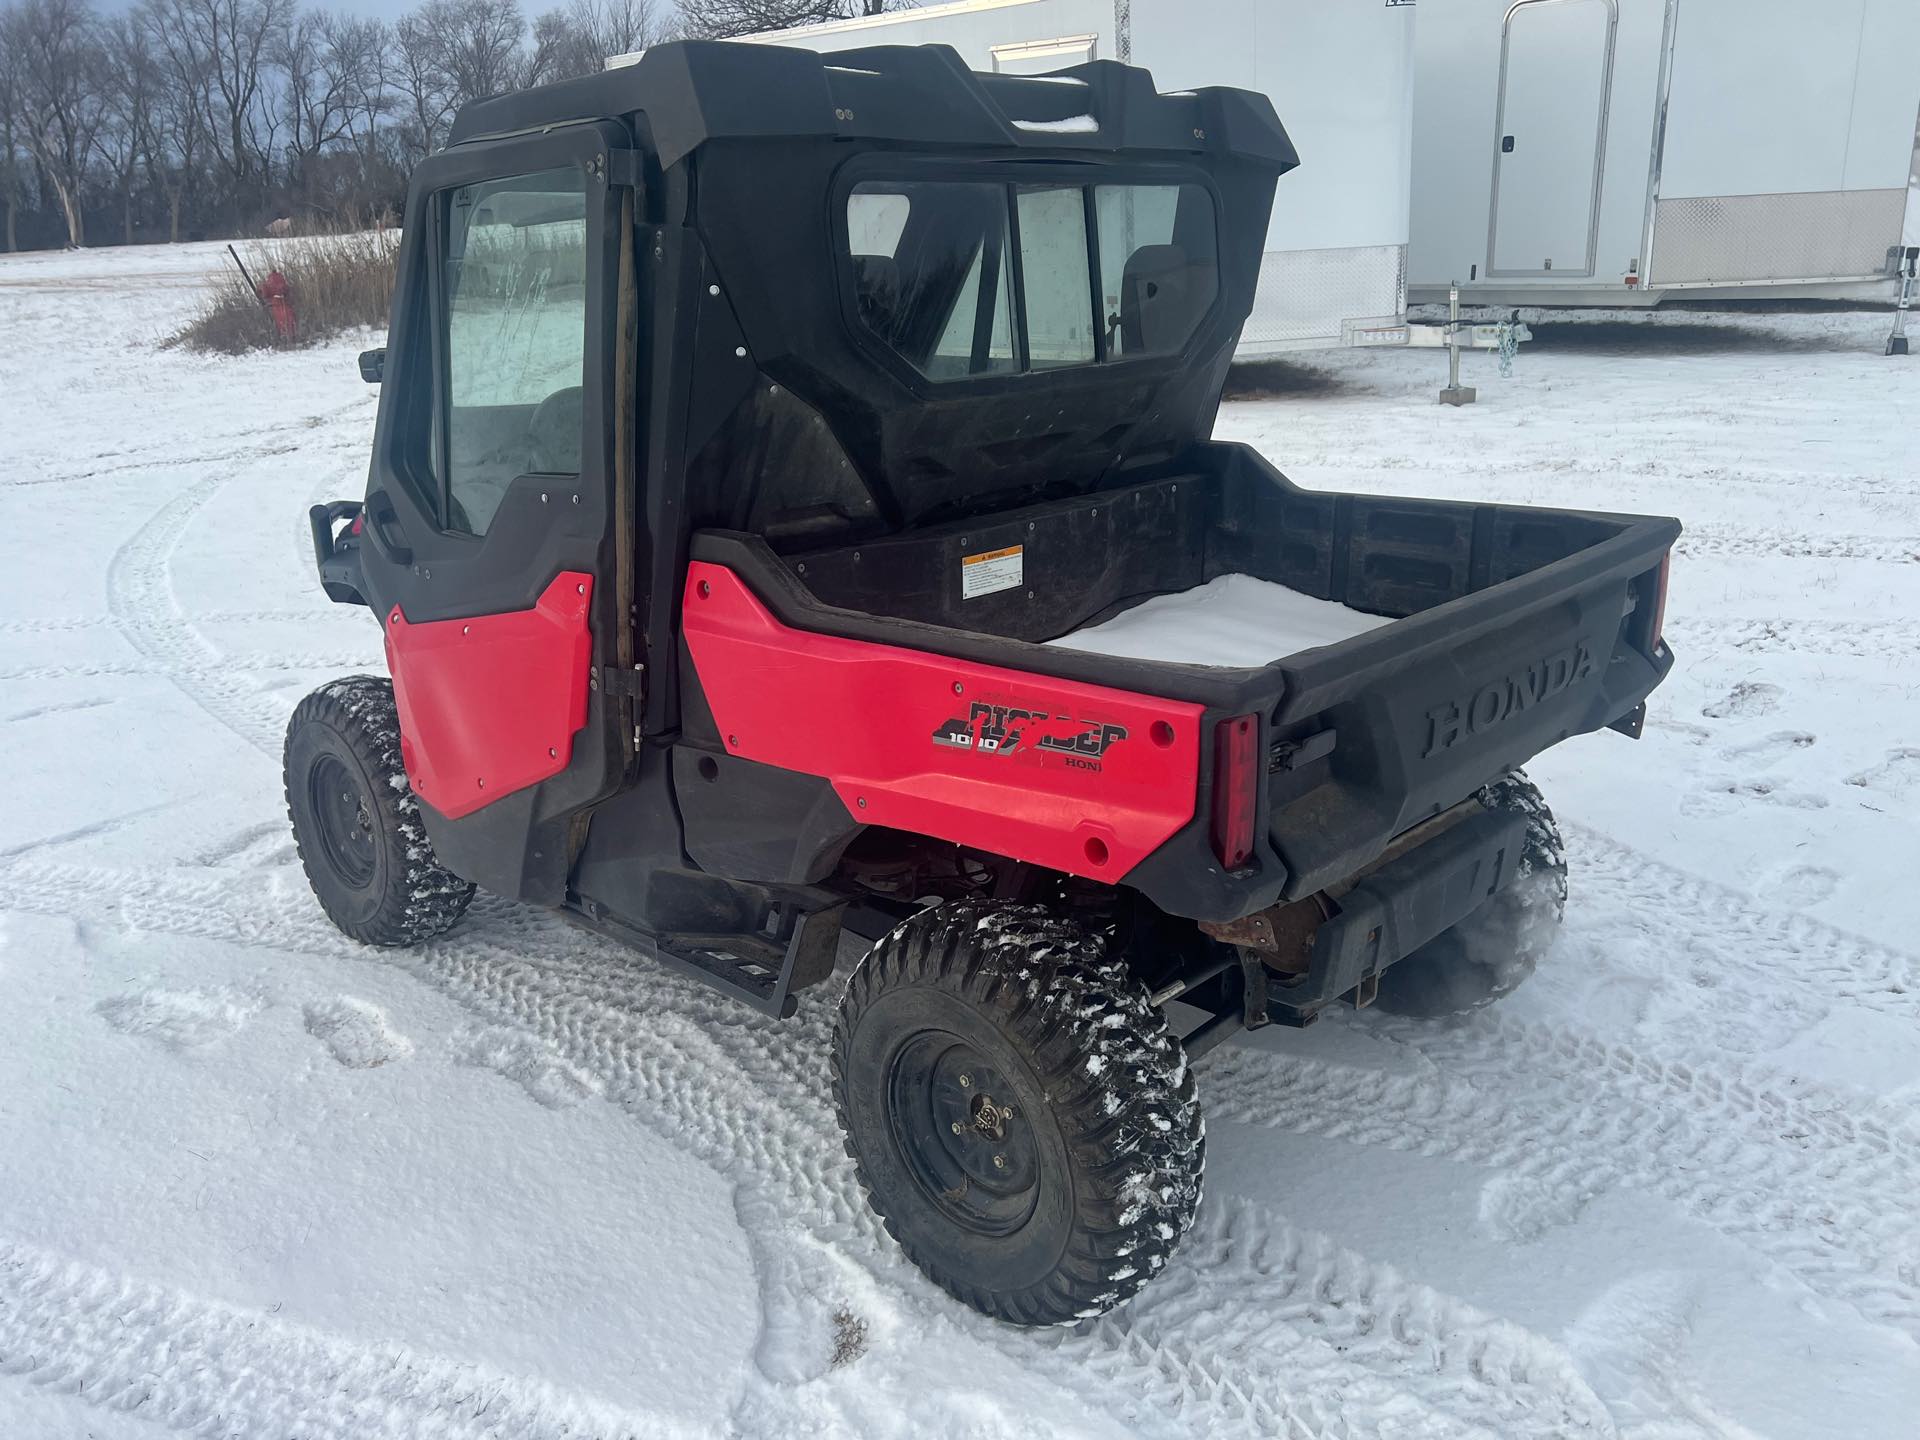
x: 1518, y: 627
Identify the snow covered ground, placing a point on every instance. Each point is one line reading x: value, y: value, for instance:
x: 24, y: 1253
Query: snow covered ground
x: 257, y: 1182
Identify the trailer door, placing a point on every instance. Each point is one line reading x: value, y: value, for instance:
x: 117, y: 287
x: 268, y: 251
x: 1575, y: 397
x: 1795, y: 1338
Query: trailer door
x: 1556, y: 63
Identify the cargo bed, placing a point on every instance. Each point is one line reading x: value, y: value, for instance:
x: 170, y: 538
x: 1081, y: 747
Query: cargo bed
x: 1512, y: 628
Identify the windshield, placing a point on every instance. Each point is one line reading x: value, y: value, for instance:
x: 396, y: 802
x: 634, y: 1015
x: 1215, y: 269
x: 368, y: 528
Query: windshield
x: 968, y: 278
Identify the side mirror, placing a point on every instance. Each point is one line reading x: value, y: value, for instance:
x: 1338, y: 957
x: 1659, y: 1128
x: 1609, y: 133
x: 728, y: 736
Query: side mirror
x: 373, y: 365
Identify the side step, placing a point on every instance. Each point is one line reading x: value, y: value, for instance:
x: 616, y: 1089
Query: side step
x: 764, y: 969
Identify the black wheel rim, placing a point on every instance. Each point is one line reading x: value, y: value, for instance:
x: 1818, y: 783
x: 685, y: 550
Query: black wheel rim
x: 963, y: 1134
x: 343, y: 820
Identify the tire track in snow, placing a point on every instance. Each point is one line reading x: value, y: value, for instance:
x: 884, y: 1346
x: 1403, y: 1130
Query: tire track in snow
x: 142, y: 604
x: 1480, y: 1047
x: 54, y: 624
x: 250, y: 662
x: 319, y: 612
x: 747, y: 1097
x: 1299, y: 1298
x: 165, y: 453
x: 1790, y: 948
x: 1830, y: 1211
x: 1891, y: 640
x: 198, y: 1365
x: 1745, y: 542
x: 66, y: 624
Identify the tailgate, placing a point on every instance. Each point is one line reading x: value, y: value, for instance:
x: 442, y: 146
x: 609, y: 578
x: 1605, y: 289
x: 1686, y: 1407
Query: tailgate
x: 1378, y: 733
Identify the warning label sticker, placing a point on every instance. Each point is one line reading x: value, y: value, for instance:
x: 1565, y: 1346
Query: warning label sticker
x: 991, y: 571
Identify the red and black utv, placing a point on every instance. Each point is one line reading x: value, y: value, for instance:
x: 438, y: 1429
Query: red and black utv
x: 751, y: 422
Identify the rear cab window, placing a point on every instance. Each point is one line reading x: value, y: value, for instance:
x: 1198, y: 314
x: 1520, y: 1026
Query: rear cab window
x: 964, y: 278
x: 932, y: 274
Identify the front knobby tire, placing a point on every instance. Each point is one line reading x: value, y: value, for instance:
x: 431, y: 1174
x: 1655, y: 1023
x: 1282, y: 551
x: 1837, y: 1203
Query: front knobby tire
x: 1488, y: 954
x: 356, y: 820
x: 1020, y: 1116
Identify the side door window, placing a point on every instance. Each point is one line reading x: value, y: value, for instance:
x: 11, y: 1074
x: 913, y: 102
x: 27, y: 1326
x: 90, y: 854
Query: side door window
x: 514, y: 300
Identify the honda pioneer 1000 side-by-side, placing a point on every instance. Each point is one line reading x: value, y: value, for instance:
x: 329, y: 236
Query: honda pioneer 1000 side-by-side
x: 793, y: 516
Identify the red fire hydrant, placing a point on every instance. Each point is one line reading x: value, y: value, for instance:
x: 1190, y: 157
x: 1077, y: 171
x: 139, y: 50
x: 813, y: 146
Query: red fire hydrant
x: 278, y: 296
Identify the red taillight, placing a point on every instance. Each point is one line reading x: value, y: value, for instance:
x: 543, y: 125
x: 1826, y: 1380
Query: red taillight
x: 1236, y: 795
x: 1659, y: 604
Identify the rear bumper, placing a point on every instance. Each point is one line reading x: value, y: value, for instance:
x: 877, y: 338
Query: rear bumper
x: 1397, y: 907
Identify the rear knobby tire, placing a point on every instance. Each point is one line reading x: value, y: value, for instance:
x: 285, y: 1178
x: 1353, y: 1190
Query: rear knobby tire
x: 356, y: 821
x: 1488, y: 954
x: 975, y: 1006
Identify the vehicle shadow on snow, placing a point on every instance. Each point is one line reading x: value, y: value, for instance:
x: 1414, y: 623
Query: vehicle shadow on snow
x: 1286, y: 380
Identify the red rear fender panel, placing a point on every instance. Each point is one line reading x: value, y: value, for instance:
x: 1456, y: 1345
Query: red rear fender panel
x: 490, y: 704
x: 1071, y: 776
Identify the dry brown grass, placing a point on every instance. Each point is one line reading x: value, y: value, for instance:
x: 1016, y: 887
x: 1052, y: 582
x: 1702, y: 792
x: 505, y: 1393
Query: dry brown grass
x: 340, y: 281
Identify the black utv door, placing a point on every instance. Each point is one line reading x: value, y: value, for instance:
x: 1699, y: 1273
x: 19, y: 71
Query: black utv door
x: 490, y: 552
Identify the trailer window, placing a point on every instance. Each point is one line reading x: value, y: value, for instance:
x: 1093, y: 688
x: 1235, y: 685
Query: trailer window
x: 963, y: 278
x: 515, y: 308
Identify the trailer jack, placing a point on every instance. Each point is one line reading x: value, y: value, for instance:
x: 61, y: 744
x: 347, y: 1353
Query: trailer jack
x: 1906, y: 262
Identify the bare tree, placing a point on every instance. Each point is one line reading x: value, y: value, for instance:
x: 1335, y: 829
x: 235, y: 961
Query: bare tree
x: 11, y: 142
x: 129, y: 80
x: 362, y: 50
x: 613, y: 27
x: 559, y: 52
x: 320, y: 68
x: 205, y: 111
x: 725, y: 19
x: 180, y: 111
x: 579, y: 39
x: 234, y: 39
x: 425, y: 85
x: 57, y: 62
x: 477, y: 43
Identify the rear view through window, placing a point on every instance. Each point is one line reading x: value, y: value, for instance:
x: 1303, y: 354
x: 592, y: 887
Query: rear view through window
x: 932, y: 275
x: 1157, y: 270
x: 969, y: 278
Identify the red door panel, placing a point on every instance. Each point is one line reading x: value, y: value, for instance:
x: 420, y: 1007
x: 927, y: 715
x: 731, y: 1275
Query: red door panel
x: 490, y: 704
x: 1075, y: 777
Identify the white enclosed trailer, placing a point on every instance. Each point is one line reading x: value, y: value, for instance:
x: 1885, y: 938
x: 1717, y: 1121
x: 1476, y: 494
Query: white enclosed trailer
x: 1340, y: 72
x: 1621, y: 152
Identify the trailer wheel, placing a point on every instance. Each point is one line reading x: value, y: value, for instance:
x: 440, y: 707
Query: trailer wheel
x: 1490, y: 952
x: 1020, y: 1116
x: 356, y: 821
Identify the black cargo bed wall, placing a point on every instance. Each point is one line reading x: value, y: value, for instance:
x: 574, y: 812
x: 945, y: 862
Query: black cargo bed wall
x: 1384, y: 555
x: 1226, y: 512
x: 1079, y: 559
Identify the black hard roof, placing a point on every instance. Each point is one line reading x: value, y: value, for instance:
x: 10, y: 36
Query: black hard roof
x: 923, y: 95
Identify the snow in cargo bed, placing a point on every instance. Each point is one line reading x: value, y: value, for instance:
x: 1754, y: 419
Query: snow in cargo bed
x: 257, y: 1182
x: 1234, y: 620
